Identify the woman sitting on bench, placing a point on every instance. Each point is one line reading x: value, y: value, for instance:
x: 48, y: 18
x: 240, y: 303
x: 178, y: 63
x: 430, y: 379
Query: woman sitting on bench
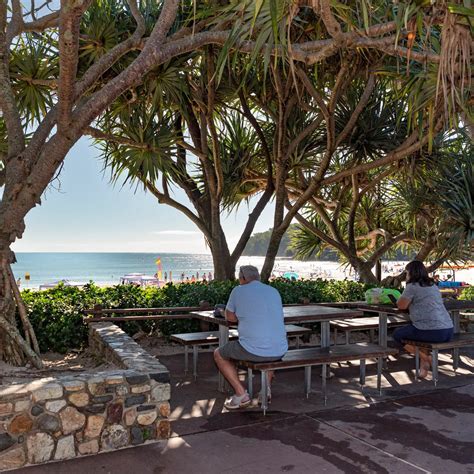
x: 430, y: 322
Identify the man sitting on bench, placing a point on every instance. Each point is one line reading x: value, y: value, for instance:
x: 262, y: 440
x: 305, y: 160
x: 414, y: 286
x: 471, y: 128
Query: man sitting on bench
x: 258, y: 310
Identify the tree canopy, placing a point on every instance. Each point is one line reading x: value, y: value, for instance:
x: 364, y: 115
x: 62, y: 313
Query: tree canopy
x: 175, y: 76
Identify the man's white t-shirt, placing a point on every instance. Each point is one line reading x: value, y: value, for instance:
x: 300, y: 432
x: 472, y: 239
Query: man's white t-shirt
x: 260, y: 312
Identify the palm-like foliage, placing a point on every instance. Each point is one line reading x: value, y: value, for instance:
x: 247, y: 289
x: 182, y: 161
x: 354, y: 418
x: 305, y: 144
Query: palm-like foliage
x: 34, y: 71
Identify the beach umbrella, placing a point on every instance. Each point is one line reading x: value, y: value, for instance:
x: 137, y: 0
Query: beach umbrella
x: 159, y: 269
x: 291, y: 275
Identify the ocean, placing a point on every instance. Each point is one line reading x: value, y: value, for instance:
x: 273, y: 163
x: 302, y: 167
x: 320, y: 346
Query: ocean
x: 103, y: 268
x: 107, y: 268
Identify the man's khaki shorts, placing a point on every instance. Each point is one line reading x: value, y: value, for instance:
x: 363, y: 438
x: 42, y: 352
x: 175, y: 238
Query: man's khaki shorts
x: 234, y: 350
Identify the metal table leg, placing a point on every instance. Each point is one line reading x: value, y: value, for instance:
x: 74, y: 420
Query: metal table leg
x: 383, y: 329
x: 457, y: 329
x: 383, y: 317
x: 223, y: 338
x: 325, y: 342
x: 325, y: 334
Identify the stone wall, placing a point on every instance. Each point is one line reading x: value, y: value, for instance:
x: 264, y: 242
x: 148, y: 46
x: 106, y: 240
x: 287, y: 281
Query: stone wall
x: 70, y: 416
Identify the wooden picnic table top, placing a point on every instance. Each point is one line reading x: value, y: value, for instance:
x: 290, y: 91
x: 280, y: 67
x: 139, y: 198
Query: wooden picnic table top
x: 293, y: 314
x: 450, y: 305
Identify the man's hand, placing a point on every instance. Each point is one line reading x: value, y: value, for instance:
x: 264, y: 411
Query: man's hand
x: 231, y: 316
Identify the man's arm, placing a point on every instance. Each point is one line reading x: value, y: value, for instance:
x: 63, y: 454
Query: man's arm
x: 231, y: 316
x: 231, y: 307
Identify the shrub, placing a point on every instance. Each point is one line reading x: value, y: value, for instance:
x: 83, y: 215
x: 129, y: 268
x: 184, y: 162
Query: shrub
x: 56, y: 314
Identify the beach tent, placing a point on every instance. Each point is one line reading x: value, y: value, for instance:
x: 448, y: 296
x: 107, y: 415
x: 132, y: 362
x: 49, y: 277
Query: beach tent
x: 54, y: 284
x: 291, y: 275
x: 140, y: 279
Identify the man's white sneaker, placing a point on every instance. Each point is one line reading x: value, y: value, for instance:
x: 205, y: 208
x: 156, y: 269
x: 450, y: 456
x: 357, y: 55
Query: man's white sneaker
x: 235, y: 402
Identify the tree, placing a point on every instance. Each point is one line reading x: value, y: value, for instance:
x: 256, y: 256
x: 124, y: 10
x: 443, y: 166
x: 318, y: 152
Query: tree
x: 66, y: 94
x: 179, y: 132
x: 422, y: 208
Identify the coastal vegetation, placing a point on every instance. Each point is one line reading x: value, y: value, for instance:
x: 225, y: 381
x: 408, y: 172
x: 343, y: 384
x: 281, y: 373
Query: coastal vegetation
x: 57, y: 314
x: 229, y: 101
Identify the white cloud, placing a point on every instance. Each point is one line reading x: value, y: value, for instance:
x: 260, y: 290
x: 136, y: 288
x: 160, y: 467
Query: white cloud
x: 176, y: 232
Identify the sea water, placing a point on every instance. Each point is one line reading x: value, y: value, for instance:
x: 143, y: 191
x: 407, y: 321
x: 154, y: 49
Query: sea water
x: 107, y: 268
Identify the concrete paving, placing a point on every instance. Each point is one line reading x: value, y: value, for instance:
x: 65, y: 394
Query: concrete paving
x: 411, y: 428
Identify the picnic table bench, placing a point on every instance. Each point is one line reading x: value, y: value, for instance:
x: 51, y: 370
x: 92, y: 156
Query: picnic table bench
x: 458, y: 340
x: 309, y: 357
x: 196, y: 339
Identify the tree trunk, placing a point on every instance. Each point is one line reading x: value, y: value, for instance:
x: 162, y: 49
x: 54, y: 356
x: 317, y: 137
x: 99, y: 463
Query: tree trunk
x: 14, y: 349
x: 224, y: 269
x: 365, y: 272
x: 278, y: 230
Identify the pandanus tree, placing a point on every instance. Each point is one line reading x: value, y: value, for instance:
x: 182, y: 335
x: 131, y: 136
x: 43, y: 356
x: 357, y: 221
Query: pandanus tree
x: 424, y: 208
x: 183, y: 132
x: 420, y: 40
x: 71, y: 82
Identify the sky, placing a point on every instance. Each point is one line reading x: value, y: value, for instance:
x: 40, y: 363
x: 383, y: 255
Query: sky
x: 83, y: 212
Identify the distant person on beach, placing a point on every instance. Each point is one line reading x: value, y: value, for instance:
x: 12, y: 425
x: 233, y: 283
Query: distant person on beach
x: 258, y: 310
x: 204, y: 279
x: 182, y: 276
x: 187, y: 279
x: 18, y: 282
x: 197, y: 275
x: 430, y: 321
x: 193, y: 279
x: 166, y: 276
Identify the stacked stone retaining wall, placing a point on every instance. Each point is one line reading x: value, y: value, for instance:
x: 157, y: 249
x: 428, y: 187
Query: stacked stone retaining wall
x: 64, y: 417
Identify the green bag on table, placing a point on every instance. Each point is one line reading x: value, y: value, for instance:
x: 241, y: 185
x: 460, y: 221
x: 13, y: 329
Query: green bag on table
x: 380, y: 295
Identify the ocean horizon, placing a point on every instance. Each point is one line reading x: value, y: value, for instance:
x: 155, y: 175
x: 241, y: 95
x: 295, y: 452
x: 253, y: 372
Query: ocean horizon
x: 106, y: 268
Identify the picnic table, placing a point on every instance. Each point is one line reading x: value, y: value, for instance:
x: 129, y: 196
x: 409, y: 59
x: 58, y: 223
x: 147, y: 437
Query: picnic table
x: 383, y: 310
x: 292, y: 315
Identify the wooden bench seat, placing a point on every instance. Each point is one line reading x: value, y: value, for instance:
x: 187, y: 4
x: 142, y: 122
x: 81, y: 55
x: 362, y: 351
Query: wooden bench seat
x: 311, y: 356
x: 458, y: 340
x: 364, y: 324
x: 196, y: 339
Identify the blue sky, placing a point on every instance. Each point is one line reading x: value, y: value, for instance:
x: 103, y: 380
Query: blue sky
x: 83, y: 212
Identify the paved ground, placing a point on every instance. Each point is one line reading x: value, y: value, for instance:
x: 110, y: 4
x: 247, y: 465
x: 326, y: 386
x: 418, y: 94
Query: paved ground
x: 412, y: 428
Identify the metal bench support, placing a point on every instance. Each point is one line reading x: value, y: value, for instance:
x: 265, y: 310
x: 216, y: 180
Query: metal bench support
x: 195, y: 361
x: 323, y: 383
x: 434, y: 354
x: 264, y: 391
x: 379, y: 374
x: 250, y: 382
x: 186, y: 360
x: 362, y: 372
x: 417, y: 362
x: 307, y: 380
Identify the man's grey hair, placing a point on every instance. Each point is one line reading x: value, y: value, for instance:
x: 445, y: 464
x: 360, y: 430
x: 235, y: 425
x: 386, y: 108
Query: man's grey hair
x: 249, y: 273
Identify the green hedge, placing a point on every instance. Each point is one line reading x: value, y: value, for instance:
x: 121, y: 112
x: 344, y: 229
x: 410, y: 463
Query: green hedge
x: 56, y: 314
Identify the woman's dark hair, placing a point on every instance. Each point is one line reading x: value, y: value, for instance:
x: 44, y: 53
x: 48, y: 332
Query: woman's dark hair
x: 417, y: 273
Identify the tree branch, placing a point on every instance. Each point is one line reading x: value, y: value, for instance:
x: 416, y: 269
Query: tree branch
x: 69, y: 23
x: 407, y: 148
x: 369, y: 87
x: 16, y: 137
